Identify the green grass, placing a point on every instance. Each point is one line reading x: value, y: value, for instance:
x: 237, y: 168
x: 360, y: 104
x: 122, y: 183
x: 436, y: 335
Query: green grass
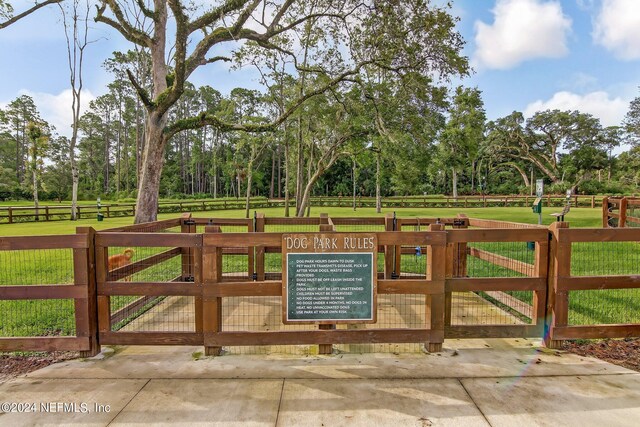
x: 55, y: 317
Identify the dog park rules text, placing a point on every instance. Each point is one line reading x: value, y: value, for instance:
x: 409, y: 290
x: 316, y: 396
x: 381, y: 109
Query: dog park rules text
x: 329, y: 278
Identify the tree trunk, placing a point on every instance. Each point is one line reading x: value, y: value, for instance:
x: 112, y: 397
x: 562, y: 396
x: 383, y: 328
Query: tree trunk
x: 353, y: 178
x: 273, y: 174
x: 152, y: 160
x: 286, y: 179
x: 247, y: 204
x: 378, y: 197
x: 454, y: 182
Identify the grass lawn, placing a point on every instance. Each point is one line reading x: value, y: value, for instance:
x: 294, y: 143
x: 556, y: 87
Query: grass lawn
x: 55, y: 317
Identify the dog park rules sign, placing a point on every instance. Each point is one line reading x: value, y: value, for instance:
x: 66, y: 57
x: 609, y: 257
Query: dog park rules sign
x: 329, y: 278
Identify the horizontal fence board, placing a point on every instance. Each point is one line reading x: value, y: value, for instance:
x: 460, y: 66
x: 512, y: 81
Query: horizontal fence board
x: 150, y: 288
x: 489, y: 223
x: 183, y: 240
x: 71, y: 241
x: 599, y: 234
x: 408, y: 286
x: 223, y: 221
x: 430, y: 238
x: 496, y: 284
x: 598, y: 282
x: 335, y: 336
x: 143, y: 264
x: 502, y: 261
x: 493, y: 331
x: 45, y: 344
x: 358, y: 221
x: 595, y: 331
x: 241, y: 240
x: 291, y: 221
x: 497, y: 235
x: 242, y: 289
x: 43, y: 292
x: 164, y: 224
x: 151, y: 338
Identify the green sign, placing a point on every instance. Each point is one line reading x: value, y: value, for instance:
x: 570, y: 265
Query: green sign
x: 336, y: 286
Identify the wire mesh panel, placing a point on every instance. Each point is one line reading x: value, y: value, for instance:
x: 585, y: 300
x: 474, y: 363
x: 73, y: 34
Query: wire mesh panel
x: 146, y: 264
x: 405, y: 311
x: 36, y: 267
x: 260, y: 314
x: 606, y: 306
x: 153, y: 314
x: 50, y: 317
x: 37, y: 318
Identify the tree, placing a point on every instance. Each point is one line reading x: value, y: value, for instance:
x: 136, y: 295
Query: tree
x: 412, y: 35
x: 38, y: 139
x: 463, y: 133
x: 632, y: 121
x: 8, y: 18
x: 75, y: 20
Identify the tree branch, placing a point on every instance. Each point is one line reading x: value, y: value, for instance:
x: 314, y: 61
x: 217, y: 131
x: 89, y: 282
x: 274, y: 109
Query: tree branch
x: 121, y: 25
x: 27, y: 12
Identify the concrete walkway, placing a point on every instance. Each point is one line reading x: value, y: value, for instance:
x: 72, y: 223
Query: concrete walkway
x: 472, y: 382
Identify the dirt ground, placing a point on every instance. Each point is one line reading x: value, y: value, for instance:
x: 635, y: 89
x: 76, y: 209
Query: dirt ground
x: 13, y: 365
x: 623, y: 352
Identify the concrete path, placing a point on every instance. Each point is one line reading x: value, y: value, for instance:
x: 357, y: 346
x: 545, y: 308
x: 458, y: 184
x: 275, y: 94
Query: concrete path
x: 472, y: 382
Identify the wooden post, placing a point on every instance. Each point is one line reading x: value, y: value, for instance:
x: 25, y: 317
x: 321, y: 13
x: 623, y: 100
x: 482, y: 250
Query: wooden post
x: 211, y: 306
x: 435, y: 303
x: 86, y: 314
x: 541, y: 270
x: 260, y: 253
x: 104, y: 301
x: 108, y: 213
x: 605, y: 212
x: 186, y: 226
x: 559, y: 268
x: 398, y: 250
x: 593, y: 202
x: 388, y: 250
x: 622, y: 221
x: 10, y: 215
x: 326, y: 225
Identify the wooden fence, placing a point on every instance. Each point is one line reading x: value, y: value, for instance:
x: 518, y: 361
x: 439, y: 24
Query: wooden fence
x: 14, y: 214
x: 472, y: 278
x: 620, y: 212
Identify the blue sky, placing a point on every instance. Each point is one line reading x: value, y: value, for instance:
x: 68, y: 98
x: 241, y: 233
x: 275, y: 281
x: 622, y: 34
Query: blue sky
x: 528, y: 55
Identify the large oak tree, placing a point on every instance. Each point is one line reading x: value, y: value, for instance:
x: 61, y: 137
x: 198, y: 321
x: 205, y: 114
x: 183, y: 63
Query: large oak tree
x: 398, y: 36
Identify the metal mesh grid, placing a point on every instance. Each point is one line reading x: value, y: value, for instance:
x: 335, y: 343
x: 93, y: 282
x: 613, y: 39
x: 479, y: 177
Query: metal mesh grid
x: 605, y: 258
x: 260, y: 314
x: 492, y: 259
x: 490, y: 308
x: 31, y: 318
x: 165, y: 271
x: 498, y: 259
x: 153, y: 314
x: 414, y: 263
x: 606, y: 306
x: 36, y: 267
x: 633, y: 216
x: 291, y: 228
x: 394, y: 311
x: 235, y: 266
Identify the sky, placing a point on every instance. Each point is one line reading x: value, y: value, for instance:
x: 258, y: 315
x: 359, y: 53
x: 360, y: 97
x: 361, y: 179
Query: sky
x: 527, y: 55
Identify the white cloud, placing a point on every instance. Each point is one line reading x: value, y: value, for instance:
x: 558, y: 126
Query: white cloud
x: 609, y: 110
x: 56, y: 109
x: 617, y: 28
x: 522, y: 30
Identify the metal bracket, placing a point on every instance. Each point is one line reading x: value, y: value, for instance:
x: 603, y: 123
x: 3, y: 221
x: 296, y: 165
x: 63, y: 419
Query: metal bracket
x: 459, y: 222
x: 189, y: 279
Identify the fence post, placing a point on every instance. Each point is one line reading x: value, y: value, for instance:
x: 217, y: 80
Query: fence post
x: 593, y: 202
x: 388, y: 250
x: 86, y: 315
x: 541, y: 270
x: 435, y: 303
x: 260, y: 250
x: 187, y: 226
x: 398, y: 251
x: 622, y: 221
x: 605, y: 212
x: 326, y: 225
x: 211, y: 305
x: 559, y: 268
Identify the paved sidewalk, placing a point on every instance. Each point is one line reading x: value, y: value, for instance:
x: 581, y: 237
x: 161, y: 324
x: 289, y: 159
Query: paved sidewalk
x: 472, y: 382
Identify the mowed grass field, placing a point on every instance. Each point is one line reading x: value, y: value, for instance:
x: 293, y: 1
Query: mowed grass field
x: 55, y: 317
